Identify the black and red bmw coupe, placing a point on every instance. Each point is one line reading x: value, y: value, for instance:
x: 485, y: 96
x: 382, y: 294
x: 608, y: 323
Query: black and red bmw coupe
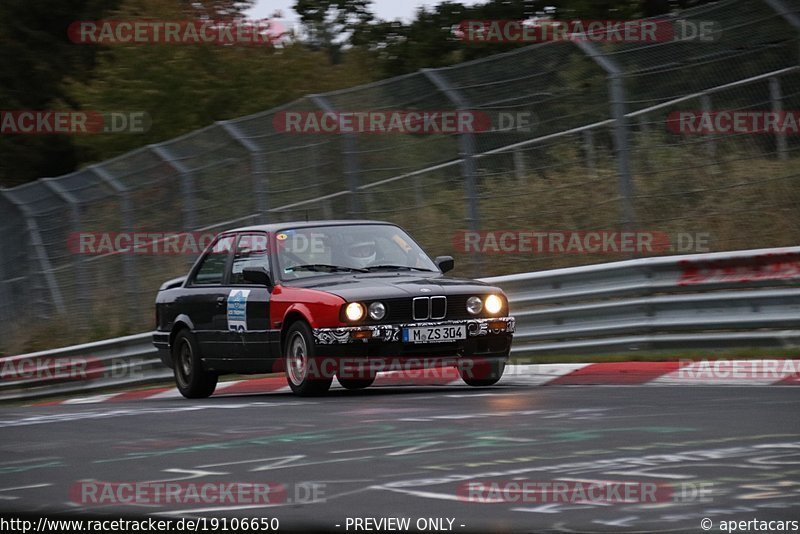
x: 318, y: 300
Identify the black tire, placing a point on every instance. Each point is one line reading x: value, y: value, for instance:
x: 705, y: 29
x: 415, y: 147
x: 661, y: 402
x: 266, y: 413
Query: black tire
x: 304, y: 371
x: 355, y: 383
x: 192, y: 379
x: 482, y: 372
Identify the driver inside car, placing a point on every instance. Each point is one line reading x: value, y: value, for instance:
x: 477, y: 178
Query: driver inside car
x: 361, y: 254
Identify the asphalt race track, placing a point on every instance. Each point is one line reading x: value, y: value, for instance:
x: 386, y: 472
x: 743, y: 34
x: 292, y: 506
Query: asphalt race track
x: 721, y: 453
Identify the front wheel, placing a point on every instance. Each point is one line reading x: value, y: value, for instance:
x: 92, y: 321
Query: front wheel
x: 304, y: 373
x: 193, y: 381
x: 481, y: 372
x: 356, y: 383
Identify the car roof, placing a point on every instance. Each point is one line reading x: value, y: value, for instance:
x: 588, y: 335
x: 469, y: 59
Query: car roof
x: 274, y: 227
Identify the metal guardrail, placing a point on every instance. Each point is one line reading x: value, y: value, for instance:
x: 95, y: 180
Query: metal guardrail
x: 702, y: 301
x: 111, y: 363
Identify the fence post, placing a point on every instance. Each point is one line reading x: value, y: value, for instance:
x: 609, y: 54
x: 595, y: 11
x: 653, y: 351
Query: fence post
x: 258, y: 168
x: 350, y: 153
x: 7, y: 313
x: 40, y: 252
x: 588, y: 147
x: 777, y: 108
x: 187, y: 185
x: 792, y: 18
x: 788, y: 13
x: 711, y: 144
x: 126, y: 209
x: 466, y: 143
x: 642, y: 147
x: 187, y: 188
x: 616, y: 80
x: 520, y: 171
x: 78, y: 261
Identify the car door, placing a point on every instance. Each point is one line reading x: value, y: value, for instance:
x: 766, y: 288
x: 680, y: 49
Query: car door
x: 206, y: 297
x: 248, y: 305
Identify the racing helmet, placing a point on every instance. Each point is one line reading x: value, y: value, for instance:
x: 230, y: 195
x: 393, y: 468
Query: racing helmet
x: 361, y: 253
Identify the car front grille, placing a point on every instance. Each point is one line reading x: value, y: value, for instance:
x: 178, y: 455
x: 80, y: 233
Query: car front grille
x: 435, y: 308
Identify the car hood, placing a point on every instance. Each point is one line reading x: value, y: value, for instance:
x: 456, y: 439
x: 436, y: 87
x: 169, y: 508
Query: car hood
x: 392, y: 285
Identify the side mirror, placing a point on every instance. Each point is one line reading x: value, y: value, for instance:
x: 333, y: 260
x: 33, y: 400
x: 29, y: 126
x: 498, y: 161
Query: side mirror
x: 445, y: 263
x: 256, y: 275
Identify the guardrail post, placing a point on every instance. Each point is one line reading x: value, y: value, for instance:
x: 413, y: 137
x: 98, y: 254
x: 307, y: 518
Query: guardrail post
x: 350, y: 153
x: 39, y: 252
x: 616, y: 81
x: 258, y: 169
x: 466, y: 143
x: 77, y: 259
x: 187, y: 188
x: 126, y: 209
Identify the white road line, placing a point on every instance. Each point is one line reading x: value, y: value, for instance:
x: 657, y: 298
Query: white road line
x: 32, y: 486
x: 91, y: 400
x: 534, y: 375
x: 169, y: 394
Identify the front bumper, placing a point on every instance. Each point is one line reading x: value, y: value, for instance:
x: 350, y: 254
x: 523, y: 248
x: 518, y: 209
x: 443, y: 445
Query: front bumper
x: 161, y: 343
x: 485, y: 337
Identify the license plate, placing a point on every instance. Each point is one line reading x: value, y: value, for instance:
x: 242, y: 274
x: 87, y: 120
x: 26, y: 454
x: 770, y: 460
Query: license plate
x: 434, y: 334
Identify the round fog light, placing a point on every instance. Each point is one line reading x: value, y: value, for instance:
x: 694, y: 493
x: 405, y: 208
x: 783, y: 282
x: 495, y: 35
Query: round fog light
x: 377, y: 311
x: 474, y: 305
x: 354, y: 311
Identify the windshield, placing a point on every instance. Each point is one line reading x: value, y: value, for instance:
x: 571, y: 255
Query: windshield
x: 324, y: 250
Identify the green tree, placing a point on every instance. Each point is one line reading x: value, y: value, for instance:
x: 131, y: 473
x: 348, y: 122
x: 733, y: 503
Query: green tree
x: 36, y: 58
x: 187, y: 87
x: 330, y: 23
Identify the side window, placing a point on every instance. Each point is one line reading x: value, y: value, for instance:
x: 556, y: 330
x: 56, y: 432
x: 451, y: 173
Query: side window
x: 212, y: 269
x: 251, y: 251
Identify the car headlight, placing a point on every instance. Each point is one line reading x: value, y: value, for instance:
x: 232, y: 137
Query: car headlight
x: 474, y: 305
x: 493, y: 304
x: 377, y: 311
x: 354, y: 311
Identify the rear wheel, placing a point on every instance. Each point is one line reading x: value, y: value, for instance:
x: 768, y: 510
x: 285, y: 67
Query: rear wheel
x: 304, y: 373
x: 192, y: 379
x: 482, y: 372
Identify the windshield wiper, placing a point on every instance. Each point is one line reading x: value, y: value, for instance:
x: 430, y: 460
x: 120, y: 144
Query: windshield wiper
x: 398, y: 267
x: 324, y: 267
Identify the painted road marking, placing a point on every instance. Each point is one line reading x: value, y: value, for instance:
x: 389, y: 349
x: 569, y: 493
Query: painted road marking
x: 611, y: 373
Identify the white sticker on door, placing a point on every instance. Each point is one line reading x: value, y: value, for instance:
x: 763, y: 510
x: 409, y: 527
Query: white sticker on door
x: 237, y: 310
